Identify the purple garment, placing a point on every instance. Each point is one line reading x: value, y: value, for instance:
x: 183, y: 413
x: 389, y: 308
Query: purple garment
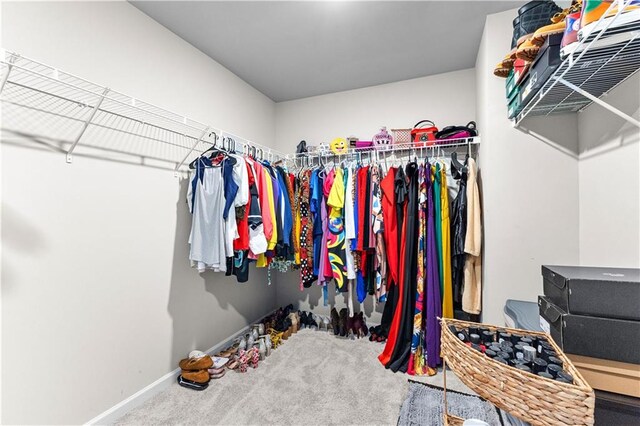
x: 433, y: 302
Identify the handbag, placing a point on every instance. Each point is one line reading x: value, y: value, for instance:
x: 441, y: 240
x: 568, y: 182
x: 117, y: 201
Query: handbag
x: 424, y: 133
x: 458, y: 132
x: 354, y: 142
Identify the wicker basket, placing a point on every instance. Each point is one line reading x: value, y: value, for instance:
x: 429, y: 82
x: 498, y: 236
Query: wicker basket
x: 530, y: 397
x: 401, y: 135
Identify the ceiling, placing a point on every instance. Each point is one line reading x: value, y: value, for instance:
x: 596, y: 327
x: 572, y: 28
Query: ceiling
x: 292, y: 50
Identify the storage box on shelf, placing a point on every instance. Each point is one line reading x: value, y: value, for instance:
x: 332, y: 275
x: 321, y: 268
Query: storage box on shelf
x: 535, y: 399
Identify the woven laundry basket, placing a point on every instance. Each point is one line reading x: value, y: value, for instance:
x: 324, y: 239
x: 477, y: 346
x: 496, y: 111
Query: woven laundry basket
x: 532, y: 398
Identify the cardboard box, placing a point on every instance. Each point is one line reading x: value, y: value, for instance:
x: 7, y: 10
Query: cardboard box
x: 600, y: 292
x: 611, y: 376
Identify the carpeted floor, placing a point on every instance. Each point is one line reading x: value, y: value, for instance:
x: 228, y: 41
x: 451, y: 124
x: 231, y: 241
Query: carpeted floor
x: 314, y: 378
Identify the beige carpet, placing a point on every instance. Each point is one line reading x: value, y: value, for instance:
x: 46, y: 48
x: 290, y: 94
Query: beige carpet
x: 313, y: 378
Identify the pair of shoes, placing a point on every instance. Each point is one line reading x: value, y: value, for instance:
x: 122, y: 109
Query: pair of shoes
x: 378, y: 333
x: 199, y: 376
x: 196, y: 364
x: 307, y: 320
x: 216, y: 373
x: 343, y: 330
x: 593, y: 10
x: 190, y: 384
x: 335, y: 321
x: 360, y: 325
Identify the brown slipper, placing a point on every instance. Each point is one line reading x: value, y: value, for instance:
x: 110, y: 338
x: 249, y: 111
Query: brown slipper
x: 527, y: 51
x: 200, y: 376
x: 501, y: 71
x: 195, y: 364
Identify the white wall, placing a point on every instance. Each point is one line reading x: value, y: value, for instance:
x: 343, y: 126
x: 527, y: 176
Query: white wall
x: 98, y: 300
x: 445, y: 98
x: 530, y: 188
x: 609, y: 176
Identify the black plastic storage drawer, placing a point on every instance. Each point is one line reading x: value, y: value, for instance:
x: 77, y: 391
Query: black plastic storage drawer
x: 604, y: 338
x: 599, y: 292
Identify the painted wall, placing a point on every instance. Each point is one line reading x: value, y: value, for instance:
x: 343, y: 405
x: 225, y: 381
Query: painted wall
x: 609, y: 177
x: 445, y: 98
x: 529, y: 183
x: 98, y: 299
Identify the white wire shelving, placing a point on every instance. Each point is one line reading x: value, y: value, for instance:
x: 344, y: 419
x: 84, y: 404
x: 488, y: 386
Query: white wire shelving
x: 396, y: 152
x: 608, y: 56
x: 47, y: 104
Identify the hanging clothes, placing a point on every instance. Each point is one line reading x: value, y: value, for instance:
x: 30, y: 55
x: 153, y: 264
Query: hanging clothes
x: 402, y: 325
x: 206, y: 239
x: 472, y: 292
x: 377, y: 219
x: 336, y: 237
x: 435, y: 179
x: 307, y: 276
x: 389, y: 212
x: 433, y: 300
x: 417, y: 358
x: 458, y: 231
x: 447, y: 296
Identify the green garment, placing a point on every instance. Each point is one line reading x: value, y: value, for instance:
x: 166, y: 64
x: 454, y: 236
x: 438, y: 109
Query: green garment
x: 435, y: 173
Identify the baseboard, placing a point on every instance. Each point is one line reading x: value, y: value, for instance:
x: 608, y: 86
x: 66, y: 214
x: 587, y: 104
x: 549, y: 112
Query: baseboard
x: 138, y: 398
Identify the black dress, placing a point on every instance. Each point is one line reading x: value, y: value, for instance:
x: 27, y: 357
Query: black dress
x: 406, y: 302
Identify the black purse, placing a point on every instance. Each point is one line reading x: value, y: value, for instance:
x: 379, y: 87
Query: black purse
x: 458, y: 132
x: 532, y: 16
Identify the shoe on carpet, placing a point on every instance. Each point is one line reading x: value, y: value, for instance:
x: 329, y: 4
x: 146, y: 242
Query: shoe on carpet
x: 189, y: 384
x: 200, y: 376
x: 335, y: 321
x: 196, y: 364
x: 343, y: 322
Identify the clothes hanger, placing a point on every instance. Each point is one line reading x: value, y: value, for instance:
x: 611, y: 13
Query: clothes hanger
x: 212, y: 149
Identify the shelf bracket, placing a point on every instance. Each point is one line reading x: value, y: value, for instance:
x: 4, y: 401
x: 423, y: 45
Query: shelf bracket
x: 598, y: 101
x: 86, y: 125
x: 204, y: 133
x: 5, y: 78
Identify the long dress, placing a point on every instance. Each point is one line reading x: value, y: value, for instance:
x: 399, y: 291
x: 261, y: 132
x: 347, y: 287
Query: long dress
x: 416, y: 362
x: 400, y: 356
x: 434, y: 302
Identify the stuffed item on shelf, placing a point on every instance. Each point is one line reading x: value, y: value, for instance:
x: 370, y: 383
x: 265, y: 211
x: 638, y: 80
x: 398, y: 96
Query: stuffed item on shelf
x: 382, y: 138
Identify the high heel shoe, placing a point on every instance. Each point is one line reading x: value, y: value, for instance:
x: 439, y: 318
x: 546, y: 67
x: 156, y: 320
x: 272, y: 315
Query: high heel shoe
x: 351, y: 327
x: 343, y: 322
x: 294, y: 321
x: 362, y: 326
x: 335, y: 321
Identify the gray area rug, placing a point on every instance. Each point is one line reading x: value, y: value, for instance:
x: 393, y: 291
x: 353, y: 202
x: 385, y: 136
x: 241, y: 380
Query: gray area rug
x: 314, y: 378
x: 424, y: 406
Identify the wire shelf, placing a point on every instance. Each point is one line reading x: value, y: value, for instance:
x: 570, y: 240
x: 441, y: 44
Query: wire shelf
x: 51, y: 105
x: 602, y: 61
x: 393, y: 151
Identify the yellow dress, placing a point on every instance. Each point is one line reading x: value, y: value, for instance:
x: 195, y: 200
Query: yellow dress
x: 447, y: 298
